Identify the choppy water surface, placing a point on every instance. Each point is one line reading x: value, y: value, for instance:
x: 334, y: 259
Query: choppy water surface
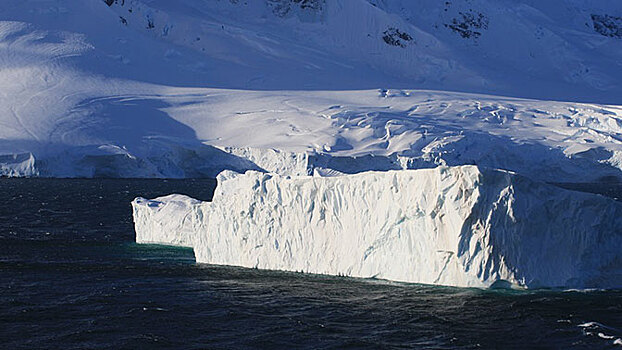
x: 72, y: 278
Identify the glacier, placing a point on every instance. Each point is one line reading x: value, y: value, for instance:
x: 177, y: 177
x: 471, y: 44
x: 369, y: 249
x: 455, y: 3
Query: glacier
x: 190, y: 88
x: 464, y: 226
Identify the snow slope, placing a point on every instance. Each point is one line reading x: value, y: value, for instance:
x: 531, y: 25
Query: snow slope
x: 188, y: 88
x: 519, y: 48
x: 460, y: 226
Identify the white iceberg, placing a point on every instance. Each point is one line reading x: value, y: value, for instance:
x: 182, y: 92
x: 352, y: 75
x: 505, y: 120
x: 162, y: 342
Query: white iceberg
x: 17, y: 165
x: 461, y: 226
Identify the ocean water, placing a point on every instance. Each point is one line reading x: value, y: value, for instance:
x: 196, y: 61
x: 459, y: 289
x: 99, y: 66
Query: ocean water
x: 72, y: 278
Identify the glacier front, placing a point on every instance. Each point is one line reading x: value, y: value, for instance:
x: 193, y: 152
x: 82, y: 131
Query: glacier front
x: 461, y: 226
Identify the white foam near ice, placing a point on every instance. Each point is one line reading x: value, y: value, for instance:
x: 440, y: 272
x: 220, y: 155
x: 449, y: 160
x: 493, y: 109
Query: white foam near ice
x: 461, y: 226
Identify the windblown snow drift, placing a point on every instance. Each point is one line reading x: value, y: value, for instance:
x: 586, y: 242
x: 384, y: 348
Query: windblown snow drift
x: 460, y: 226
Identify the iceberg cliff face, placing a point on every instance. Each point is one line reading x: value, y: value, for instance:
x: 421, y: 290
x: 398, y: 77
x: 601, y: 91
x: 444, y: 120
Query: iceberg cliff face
x: 17, y: 165
x: 460, y: 226
x: 165, y: 221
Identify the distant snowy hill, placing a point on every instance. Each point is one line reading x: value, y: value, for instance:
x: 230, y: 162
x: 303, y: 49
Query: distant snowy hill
x: 187, y: 88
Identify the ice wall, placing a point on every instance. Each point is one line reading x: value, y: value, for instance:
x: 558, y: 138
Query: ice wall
x: 18, y: 165
x: 273, y: 160
x: 165, y: 220
x: 460, y: 226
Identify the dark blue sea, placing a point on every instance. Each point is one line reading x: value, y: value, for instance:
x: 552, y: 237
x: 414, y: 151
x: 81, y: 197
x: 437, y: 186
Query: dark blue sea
x: 71, y: 277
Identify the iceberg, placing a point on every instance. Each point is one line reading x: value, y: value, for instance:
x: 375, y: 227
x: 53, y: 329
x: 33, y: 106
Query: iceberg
x: 165, y: 220
x: 464, y: 226
x: 17, y: 165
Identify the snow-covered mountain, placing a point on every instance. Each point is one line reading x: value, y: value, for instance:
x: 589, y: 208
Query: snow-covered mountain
x: 556, y: 49
x: 156, y: 88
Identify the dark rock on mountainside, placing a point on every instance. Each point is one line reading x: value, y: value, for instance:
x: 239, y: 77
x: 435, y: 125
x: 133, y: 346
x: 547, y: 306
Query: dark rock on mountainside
x: 395, y: 37
x: 282, y: 8
x: 469, y: 25
x: 111, y: 2
x: 606, y: 25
